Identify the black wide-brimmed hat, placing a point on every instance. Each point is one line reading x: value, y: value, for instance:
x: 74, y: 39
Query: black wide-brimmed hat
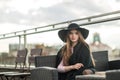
x: 62, y: 33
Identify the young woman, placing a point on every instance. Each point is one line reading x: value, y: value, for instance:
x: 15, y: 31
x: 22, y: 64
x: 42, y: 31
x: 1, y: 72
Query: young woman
x: 74, y: 58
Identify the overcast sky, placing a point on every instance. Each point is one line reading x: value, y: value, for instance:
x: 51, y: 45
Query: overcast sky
x: 25, y: 14
x: 16, y: 15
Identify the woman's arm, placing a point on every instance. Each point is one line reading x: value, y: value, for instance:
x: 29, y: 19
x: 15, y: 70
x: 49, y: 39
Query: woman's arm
x: 86, y: 57
x: 62, y: 68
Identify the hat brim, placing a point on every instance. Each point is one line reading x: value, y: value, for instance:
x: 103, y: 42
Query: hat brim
x: 63, y: 33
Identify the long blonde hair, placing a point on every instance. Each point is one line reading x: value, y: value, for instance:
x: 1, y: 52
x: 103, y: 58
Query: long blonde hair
x: 66, y: 52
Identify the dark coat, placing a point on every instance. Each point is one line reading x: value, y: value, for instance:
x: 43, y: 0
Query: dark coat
x: 81, y: 54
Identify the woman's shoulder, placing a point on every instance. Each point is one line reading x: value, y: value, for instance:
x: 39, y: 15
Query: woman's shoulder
x: 84, y: 47
x: 83, y: 44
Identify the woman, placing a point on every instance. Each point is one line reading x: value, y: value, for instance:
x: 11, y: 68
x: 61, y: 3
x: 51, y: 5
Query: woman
x: 74, y: 57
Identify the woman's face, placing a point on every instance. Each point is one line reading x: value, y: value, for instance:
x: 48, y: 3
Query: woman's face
x: 73, y: 36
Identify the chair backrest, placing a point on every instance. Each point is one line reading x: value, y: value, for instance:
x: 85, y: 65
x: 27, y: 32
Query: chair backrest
x: 49, y: 60
x: 100, y: 57
x: 33, y: 53
x: 21, y: 58
x: 101, y: 60
x: 36, y: 52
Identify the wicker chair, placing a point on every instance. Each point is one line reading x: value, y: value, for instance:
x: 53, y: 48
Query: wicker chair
x: 43, y: 73
x: 33, y: 53
x: 113, y: 74
x: 102, y: 62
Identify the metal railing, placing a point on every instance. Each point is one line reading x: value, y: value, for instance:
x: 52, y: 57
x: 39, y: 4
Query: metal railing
x: 82, y: 21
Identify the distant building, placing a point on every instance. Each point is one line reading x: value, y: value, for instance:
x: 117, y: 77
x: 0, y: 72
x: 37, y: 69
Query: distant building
x: 14, y: 47
x: 97, y: 45
x: 47, y: 50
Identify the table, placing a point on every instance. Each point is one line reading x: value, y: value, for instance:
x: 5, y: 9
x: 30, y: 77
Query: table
x: 90, y: 77
x: 21, y: 76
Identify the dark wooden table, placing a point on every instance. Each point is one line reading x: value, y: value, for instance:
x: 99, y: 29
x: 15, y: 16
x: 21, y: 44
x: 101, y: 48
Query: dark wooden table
x: 91, y: 77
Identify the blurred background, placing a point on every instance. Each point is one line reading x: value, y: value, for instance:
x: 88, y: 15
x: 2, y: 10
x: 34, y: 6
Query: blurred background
x: 22, y: 15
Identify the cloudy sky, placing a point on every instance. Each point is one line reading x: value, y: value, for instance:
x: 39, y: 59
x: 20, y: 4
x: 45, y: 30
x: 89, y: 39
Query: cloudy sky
x: 16, y: 15
x: 24, y: 14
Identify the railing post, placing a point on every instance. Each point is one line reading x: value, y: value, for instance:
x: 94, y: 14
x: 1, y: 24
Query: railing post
x: 19, y: 42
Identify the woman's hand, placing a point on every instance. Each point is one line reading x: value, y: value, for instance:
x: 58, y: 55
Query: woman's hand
x: 72, y: 67
x: 77, y: 66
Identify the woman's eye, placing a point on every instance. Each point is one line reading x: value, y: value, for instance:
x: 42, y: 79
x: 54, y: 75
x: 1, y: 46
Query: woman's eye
x: 76, y: 32
x: 70, y: 33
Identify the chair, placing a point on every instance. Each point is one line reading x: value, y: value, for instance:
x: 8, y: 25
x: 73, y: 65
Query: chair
x: 49, y: 61
x: 33, y: 54
x: 21, y: 58
x: 113, y: 74
x: 44, y: 73
x: 101, y: 61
